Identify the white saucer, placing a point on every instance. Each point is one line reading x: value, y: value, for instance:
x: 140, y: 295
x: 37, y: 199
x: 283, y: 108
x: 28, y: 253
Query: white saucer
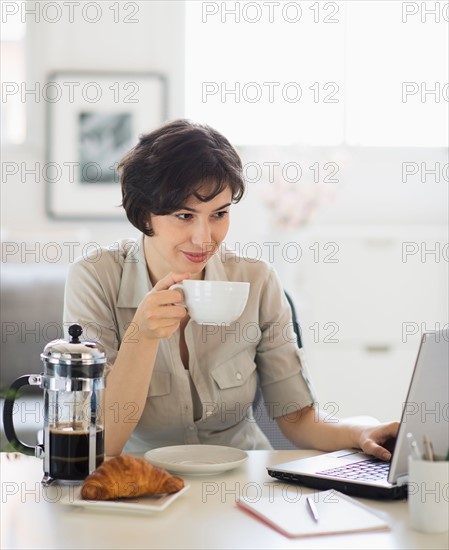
x: 196, y: 459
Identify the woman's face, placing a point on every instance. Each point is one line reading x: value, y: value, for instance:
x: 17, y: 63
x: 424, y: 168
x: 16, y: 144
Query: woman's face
x: 185, y: 240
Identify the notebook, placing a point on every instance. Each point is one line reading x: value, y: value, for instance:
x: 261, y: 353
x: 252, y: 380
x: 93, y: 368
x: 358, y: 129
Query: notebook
x: 337, y: 514
x: 425, y: 412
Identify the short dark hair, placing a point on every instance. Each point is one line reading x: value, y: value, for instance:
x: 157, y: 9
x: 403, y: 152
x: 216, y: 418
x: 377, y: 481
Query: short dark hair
x: 173, y: 163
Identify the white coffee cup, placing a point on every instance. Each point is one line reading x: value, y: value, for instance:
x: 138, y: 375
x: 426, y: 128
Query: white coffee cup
x: 214, y: 302
x: 428, y: 494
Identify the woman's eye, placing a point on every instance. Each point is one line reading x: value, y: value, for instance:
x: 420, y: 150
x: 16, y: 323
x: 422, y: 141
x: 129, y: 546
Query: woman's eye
x: 184, y: 217
x: 221, y: 214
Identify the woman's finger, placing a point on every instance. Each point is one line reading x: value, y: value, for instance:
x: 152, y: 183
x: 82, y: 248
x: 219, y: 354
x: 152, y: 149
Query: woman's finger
x: 171, y: 279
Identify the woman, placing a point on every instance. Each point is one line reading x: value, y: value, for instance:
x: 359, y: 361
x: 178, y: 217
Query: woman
x: 173, y: 381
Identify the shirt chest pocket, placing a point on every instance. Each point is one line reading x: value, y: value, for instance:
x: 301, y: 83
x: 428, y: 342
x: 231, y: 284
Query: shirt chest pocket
x: 160, y: 384
x: 236, y: 377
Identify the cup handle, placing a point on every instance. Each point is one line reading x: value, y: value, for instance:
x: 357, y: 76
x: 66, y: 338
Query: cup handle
x: 10, y: 432
x: 180, y: 287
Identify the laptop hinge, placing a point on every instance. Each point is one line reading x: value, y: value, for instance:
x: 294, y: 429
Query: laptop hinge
x: 402, y: 480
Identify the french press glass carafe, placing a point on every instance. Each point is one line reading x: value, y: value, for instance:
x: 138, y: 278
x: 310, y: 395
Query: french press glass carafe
x: 73, y: 382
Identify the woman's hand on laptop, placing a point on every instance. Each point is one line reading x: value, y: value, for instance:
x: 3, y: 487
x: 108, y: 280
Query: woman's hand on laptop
x: 373, y: 438
x: 310, y: 428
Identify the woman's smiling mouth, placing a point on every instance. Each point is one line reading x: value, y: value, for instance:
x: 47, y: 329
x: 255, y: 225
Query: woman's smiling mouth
x: 196, y: 257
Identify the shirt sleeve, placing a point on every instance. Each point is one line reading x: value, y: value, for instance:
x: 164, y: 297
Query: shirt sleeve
x: 87, y: 303
x: 284, y: 380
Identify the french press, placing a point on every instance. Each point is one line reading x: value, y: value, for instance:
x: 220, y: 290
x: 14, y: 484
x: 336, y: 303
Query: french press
x: 73, y: 382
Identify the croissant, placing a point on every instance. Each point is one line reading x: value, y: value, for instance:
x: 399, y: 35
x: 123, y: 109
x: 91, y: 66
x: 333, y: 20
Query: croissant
x: 126, y: 476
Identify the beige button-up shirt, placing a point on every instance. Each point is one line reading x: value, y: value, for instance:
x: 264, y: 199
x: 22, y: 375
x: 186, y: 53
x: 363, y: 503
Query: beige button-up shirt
x: 211, y: 402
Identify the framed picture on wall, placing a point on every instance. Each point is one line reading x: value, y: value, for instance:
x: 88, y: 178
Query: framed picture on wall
x: 93, y: 119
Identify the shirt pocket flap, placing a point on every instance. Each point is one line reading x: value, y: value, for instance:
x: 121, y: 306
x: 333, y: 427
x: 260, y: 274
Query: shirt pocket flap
x: 160, y: 384
x: 235, y: 371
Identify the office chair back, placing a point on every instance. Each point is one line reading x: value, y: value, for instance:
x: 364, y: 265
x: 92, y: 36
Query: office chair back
x: 269, y: 425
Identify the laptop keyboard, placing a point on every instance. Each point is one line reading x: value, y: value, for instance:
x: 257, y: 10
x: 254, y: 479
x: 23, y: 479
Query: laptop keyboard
x: 366, y: 469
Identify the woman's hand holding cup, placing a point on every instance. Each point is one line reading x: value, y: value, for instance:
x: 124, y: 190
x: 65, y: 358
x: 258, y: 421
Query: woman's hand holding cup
x: 160, y: 313
x: 207, y: 302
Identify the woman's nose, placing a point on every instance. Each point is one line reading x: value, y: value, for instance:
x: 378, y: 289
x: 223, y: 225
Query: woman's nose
x: 201, y: 234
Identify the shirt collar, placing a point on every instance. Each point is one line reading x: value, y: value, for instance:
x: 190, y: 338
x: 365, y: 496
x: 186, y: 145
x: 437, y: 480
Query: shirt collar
x: 135, y: 283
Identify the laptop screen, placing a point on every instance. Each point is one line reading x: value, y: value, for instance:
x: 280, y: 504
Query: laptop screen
x: 426, y: 410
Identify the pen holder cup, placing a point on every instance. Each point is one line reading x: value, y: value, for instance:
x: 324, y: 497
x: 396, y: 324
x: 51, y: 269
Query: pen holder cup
x: 428, y: 495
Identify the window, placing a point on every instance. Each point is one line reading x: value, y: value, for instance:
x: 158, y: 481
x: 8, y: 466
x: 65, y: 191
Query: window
x: 319, y: 73
x: 258, y: 76
x: 397, y: 73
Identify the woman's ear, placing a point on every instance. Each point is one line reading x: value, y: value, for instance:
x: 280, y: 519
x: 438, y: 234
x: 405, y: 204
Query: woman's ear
x: 148, y: 228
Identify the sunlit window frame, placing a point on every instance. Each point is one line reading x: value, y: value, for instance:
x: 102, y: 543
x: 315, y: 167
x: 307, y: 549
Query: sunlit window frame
x: 13, y: 37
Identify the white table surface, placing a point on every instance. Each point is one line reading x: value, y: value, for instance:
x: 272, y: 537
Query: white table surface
x: 206, y: 516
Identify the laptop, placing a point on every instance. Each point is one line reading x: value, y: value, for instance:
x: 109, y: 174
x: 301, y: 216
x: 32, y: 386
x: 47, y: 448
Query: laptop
x: 425, y: 412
